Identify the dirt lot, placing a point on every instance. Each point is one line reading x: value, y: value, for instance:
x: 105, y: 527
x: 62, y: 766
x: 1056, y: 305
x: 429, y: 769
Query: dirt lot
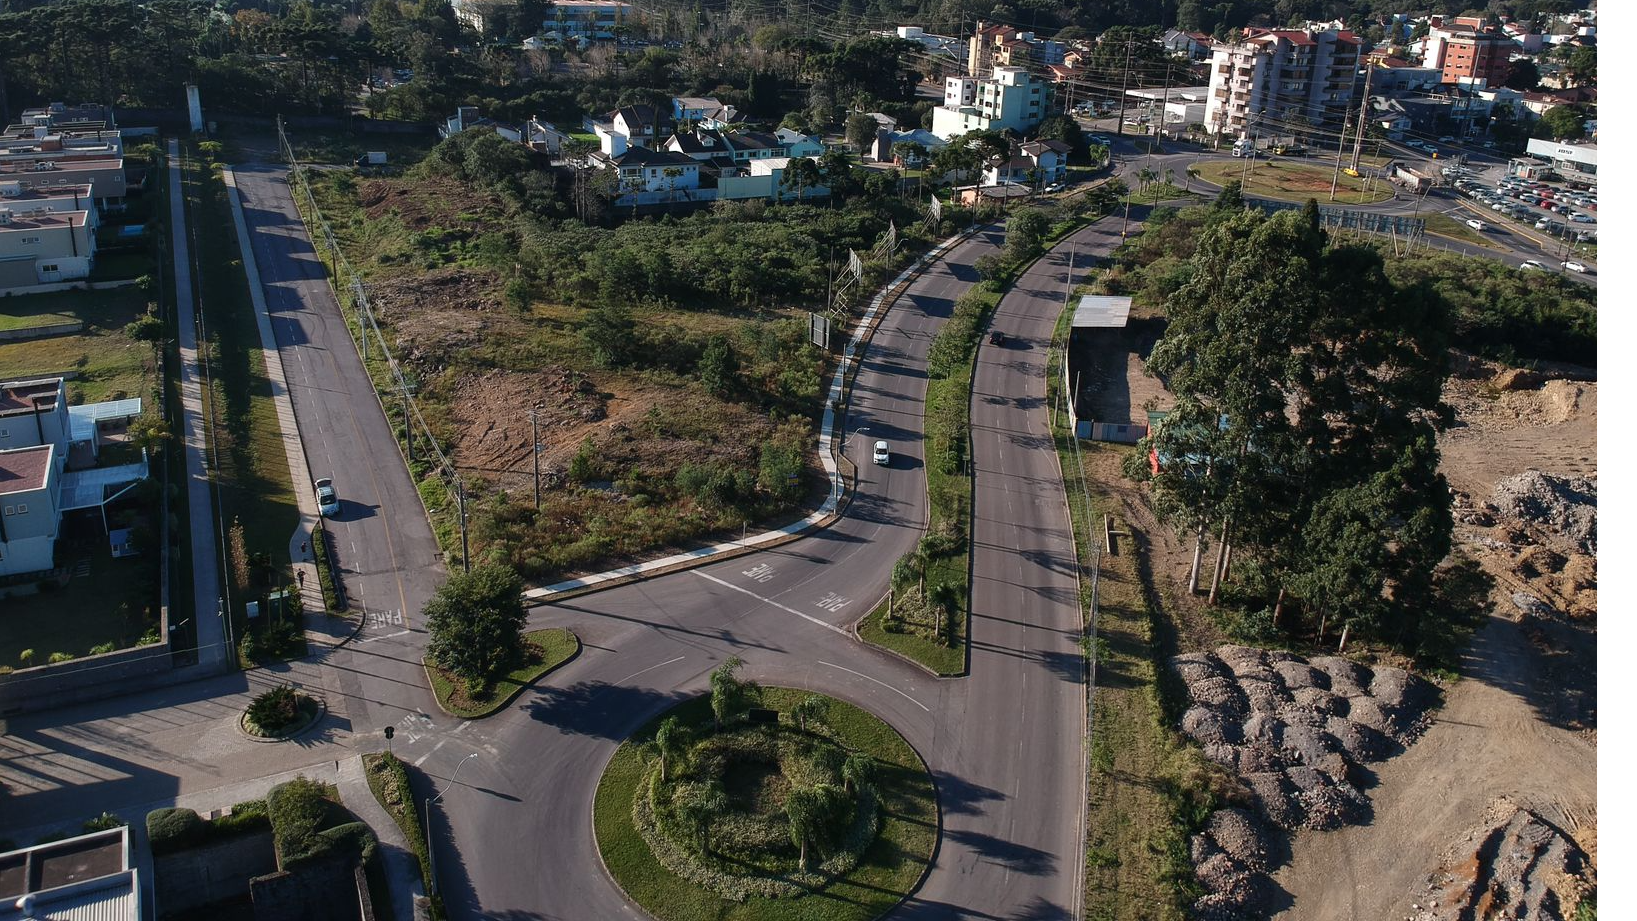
x: 1109, y: 364
x: 1521, y: 723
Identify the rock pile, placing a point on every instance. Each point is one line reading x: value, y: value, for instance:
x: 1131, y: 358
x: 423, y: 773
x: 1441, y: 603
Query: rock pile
x: 1514, y: 862
x: 1567, y: 505
x: 1294, y: 730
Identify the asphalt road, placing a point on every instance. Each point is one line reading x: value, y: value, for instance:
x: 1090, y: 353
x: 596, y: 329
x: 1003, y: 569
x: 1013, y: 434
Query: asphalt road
x: 1004, y: 743
x: 389, y: 561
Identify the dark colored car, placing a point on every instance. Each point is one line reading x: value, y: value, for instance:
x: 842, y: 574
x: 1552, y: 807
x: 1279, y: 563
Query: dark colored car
x: 996, y: 337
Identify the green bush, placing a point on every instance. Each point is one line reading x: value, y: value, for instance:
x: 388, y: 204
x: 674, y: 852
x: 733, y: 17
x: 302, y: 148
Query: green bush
x: 174, y: 829
x: 246, y: 817
x: 103, y: 822
x: 298, y: 810
x: 276, y: 710
x: 57, y: 657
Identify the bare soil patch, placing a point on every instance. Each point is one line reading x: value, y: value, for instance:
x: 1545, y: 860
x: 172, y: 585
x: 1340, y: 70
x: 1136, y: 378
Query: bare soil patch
x: 1513, y: 861
x: 432, y: 202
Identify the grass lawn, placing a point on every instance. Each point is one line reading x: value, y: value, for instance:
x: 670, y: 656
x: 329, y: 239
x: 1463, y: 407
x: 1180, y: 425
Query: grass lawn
x: 1445, y: 226
x: 551, y: 648
x: 103, y: 607
x: 1147, y: 791
x: 1290, y: 180
x: 111, y: 365
x: 254, y: 472
x: 890, y: 869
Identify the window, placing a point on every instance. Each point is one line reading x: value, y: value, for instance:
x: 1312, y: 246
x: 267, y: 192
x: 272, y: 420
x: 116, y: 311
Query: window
x: 29, y: 240
x: 22, y: 508
x: 11, y: 510
x: 49, y: 268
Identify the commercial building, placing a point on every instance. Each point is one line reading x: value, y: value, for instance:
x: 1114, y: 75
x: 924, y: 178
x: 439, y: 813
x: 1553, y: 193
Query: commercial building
x: 1567, y: 159
x: 1013, y: 99
x: 587, y: 19
x: 1281, y: 79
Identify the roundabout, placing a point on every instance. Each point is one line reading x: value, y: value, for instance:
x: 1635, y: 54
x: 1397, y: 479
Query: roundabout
x: 792, y: 805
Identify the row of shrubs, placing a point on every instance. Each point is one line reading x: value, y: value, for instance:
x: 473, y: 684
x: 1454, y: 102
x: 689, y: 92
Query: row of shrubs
x: 175, y: 829
x: 28, y: 658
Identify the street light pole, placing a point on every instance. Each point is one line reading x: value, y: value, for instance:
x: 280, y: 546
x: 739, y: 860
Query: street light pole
x: 431, y: 855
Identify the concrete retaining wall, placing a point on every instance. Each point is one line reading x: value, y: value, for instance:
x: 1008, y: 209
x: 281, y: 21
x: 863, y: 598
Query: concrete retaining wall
x: 41, y: 332
x: 327, y: 889
x: 218, y: 871
x: 90, y: 678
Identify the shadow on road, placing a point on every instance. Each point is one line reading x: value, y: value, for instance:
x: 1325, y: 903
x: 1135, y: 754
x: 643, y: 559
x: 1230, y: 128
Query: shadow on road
x: 600, y: 709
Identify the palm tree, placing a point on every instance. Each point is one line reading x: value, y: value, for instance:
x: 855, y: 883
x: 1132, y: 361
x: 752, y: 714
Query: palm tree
x: 811, y: 707
x: 943, y: 600
x: 729, y: 695
x: 807, y: 809
x: 669, y: 743
x: 858, y: 772
x: 699, y: 809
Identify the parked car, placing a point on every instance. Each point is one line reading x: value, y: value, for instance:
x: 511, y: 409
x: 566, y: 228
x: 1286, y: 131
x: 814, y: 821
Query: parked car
x: 1574, y: 266
x: 324, y: 492
x: 1580, y: 218
x: 882, y: 455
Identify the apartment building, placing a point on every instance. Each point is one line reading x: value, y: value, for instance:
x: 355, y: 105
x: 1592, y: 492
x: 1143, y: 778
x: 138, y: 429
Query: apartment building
x: 994, y: 46
x: 1279, y: 78
x: 1473, y: 56
x: 1012, y: 99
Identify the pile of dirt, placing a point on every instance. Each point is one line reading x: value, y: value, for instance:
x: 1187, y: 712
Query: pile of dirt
x: 1295, y: 731
x: 1513, y: 864
x: 1565, y: 505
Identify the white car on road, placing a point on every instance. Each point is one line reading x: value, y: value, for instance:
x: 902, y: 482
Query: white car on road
x: 882, y: 456
x: 1574, y: 266
x: 1477, y: 225
x: 328, y: 503
x: 1532, y: 264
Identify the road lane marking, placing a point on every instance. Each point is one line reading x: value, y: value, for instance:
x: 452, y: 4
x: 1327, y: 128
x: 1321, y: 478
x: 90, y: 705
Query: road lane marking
x: 880, y: 682
x: 387, y: 636
x: 787, y: 610
x: 422, y: 759
x: 760, y: 573
x: 833, y: 602
x: 649, y: 669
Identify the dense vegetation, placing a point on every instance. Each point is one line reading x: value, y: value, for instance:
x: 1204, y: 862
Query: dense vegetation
x: 1308, y: 388
x: 668, y: 356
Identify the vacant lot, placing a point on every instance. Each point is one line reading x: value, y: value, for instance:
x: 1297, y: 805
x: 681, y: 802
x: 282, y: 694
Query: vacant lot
x: 105, y: 362
x: 106, y: 602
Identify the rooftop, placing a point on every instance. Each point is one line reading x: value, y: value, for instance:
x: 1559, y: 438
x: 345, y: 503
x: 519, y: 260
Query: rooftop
x: 39, y: 219
x: 25, y: 469
x: 62, y: 166
x: 1101, y: 312
x: 9, y: 198
x: 19, y: 397
x: 86, y: 878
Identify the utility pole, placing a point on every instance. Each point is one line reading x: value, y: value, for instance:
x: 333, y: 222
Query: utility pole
x: 534, y: 445
x: 460, y: 501
x: 1125, y: 80
x: 1363, y: 115
x: 409, y: 427
x: 1165, y: 100
x: 1335, y: 178
x: 1068, y: 277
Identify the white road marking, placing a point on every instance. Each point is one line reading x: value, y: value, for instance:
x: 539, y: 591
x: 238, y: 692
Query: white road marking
x: 760, y: 573
x: 833, y: 602
x: 787, y: 610
x: 422, y: 759
x: 880, y: 682
x: 649, y: 669
x: 384, y: 636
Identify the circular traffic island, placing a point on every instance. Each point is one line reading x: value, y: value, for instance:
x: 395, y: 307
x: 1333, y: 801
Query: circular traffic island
x: 280, y: 712
x: 797, y: 807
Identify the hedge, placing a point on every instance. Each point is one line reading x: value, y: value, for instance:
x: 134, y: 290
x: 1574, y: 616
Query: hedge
x: 174, y: 829
x: 305, y: 827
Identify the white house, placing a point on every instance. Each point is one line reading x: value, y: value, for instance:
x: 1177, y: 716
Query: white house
x: 631, y: 126
x: 649, y: 175
x: 543, y: 136
x: 1034, y: 163
x: 1012, y: 99
x: 41, y: 246
x: 28, y: 508
x: 704, y: 111
x: 797, y: 144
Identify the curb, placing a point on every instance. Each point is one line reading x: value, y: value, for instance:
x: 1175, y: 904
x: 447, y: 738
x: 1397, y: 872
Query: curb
x: 426, y: 666
x: 318, y: 717
x: 840, y: 390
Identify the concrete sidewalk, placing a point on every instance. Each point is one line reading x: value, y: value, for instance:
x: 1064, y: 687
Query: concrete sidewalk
x: 207, y: 596
x: 321, y: 628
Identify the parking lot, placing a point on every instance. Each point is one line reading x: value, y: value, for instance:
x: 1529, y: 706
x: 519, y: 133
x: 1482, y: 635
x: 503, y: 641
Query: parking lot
x: 1551, y: 209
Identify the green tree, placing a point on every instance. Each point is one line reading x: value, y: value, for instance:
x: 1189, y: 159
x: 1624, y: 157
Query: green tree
x: 811, y: 707
x: 1025, y: 230
x: 1523, y: 75
x: 610, y: 335
x: 1583, y: 65
x: 858, y: 772
x: 670, y: 741
x: 780, y: 469
x: 719, y: 368
x: 811, y: 811
x: 1065, y: 129
x: 1232, y: 198
x: 801, y: 174
x: 861, y: 130
x: 476, y: 621
x: 1562, y: 123
x: 730, y: 696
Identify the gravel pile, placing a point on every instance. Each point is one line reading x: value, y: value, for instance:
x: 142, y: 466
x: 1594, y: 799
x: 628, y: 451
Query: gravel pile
x: 1513, y: 859
x: 1567, y: 505
x: 1294, y: 730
